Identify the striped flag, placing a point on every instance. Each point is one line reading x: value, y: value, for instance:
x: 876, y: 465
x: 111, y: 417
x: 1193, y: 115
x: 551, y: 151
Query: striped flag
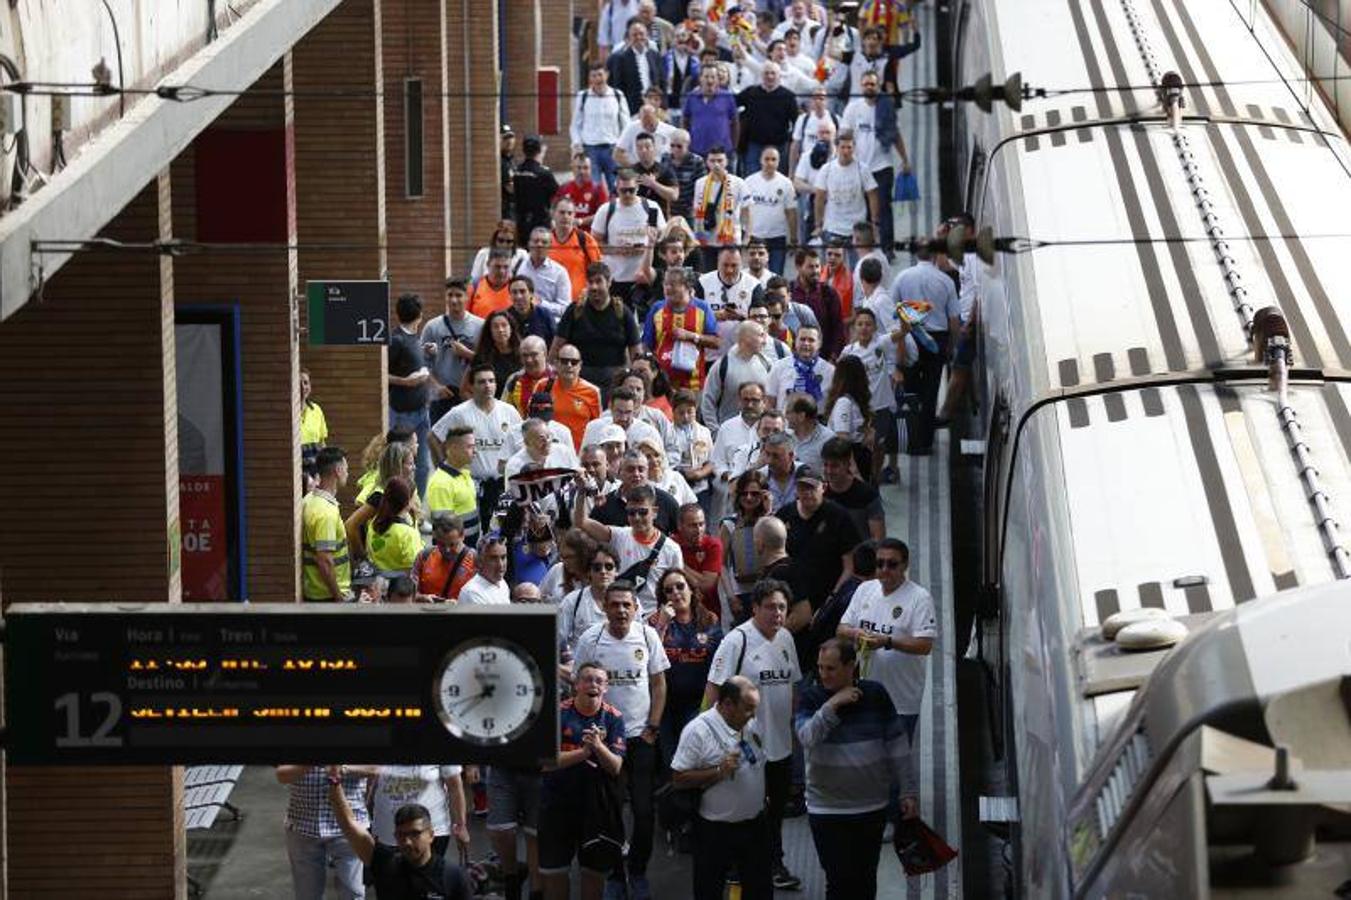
x: 889, y: 15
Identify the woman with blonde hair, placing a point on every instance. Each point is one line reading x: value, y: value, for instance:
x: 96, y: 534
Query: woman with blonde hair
x: 397, y: 460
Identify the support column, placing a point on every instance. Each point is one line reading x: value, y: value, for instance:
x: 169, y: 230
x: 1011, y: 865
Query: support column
x: 340, y: 202
x: 557, y: 49
x: 89, y: 480
x: 521, y: 21
x: 413, y: 47
x: 235, y: 184
x: 473, y: 126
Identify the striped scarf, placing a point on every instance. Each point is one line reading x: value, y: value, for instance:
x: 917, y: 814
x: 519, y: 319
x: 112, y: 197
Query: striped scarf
x: 724, y: 230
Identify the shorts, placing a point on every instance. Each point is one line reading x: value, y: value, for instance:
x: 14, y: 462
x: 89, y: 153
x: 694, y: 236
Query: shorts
x: 966, y: 351
x: 884, y: 427
x: 561, y: 840
x: 513, y: 800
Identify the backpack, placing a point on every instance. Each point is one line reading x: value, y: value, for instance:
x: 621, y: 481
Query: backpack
x: 652, y: 210
x: 619, y: 113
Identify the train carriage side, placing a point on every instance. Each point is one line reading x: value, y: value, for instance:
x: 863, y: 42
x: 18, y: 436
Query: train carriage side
x: 1122, y: 470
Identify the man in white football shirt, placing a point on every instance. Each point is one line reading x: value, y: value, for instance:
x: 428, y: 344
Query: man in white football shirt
x: 632, y: 653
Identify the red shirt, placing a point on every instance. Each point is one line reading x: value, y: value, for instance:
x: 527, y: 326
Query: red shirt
x: 706, y: 556
x: 587, y: 197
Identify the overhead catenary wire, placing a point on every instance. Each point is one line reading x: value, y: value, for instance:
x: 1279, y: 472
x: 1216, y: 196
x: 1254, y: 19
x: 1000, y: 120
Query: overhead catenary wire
x: 188, y: 92
x: 1004, y: 245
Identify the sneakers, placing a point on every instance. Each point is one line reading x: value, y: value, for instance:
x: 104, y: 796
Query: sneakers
x: 639, y: 889
x: 785, y: 880
x: 890, y: 476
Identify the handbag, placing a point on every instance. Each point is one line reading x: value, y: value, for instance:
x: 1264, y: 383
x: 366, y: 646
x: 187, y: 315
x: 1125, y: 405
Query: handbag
x: 907, y: 187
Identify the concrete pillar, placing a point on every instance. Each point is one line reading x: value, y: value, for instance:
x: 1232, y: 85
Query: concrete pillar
x: 413, y: 46
x: 473, y: 124
x: 89, y: 479
x: 340, y: 205
x: 235, y: 184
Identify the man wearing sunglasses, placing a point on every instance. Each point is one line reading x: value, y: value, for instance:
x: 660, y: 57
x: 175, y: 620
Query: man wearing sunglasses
x: 645, y: 553
x: 893, y: 618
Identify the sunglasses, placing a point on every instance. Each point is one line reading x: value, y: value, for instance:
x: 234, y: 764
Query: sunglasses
x: 629, y: 190
x: 569, y: 361
x: 602, y: 567
x: 889, y: 564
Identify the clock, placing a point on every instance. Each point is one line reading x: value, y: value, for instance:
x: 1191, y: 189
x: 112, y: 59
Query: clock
x: 488, y: 691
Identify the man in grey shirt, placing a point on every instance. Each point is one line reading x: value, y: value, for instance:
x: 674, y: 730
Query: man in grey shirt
x: 454, y: 335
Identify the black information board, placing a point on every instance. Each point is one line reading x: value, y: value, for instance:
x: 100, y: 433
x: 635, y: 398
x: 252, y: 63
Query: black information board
x: 348, y: 312
x: 273, y: 683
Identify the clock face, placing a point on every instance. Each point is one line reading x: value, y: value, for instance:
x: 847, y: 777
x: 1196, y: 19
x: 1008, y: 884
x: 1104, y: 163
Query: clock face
x: 488, y: 691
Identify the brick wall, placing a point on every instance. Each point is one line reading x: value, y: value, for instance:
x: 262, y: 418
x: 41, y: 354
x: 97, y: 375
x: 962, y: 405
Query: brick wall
x: 521, y: 26
x: 339, y: 174
x: 475, y: 200
x: 262, y: 284
x: 90, y: 468
x: 556, y: 49
x: 412, y: 36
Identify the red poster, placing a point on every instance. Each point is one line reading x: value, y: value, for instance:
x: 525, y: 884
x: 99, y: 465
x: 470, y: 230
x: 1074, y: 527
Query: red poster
x: 201, y: 505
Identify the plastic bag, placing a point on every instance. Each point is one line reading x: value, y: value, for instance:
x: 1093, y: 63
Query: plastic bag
x: 919, y: 848
x: 907, y: 187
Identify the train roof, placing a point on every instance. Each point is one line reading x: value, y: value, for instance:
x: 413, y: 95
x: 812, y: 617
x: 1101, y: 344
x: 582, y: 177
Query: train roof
x: 1180, y: 488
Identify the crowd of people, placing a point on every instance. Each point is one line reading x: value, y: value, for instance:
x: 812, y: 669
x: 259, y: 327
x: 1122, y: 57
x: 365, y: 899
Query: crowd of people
x: 629, y: 408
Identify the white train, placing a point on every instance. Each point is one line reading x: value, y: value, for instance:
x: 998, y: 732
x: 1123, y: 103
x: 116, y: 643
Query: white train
x: 1136, y: 458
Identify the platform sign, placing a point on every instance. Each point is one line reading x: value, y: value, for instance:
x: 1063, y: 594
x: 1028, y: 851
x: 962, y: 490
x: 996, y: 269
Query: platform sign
x: 273, y: 683
x: 348, y: 312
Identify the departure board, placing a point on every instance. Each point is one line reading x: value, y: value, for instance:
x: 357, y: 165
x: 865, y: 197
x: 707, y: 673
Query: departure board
x: 280, y: 683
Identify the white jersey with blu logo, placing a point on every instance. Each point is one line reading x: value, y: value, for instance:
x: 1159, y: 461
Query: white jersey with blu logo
x: 907, y: 611
x: 630, y: 662
x: 772, y: 664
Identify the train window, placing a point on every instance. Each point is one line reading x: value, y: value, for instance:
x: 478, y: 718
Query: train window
x: 996, y: 441
x: 975, y: 181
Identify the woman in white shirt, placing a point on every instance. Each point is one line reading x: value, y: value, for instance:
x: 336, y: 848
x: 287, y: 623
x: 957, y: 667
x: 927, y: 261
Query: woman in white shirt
x: 849, y: 410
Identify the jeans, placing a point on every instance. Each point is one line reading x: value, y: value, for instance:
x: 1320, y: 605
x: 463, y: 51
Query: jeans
x: 489, y: 492
x: 640, y: 770
x: 719, y: 845
x: 849, y: 848
x: 922, y: 379
x: 416, y: 421
x: 778, y: 773
x: 602, y: 163
x: 310, y: 857
x: 886, y: 227
x: 806, y: 217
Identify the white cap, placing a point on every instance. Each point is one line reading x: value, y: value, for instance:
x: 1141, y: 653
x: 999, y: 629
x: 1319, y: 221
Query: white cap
x: 613, y: 433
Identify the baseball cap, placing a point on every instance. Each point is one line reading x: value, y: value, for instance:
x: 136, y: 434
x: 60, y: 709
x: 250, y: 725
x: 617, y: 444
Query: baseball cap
x: 612, y: 433
x: 809, y: 473
x: 506, y: 130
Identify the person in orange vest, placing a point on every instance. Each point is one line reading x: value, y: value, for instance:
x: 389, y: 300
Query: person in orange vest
x: 443, y: 568
x: 493, y: 290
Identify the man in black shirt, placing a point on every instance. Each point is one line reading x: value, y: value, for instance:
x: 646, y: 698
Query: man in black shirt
x: 506, y: 147
x: 656, y: 180
x: 768, y: 110
x: 534, y: 186
x: 412, y: 872
x: 821, y: 537
x: 603, y: 327
x: 632, y: 473
x: 408, y: 380
x: 859, y: 498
